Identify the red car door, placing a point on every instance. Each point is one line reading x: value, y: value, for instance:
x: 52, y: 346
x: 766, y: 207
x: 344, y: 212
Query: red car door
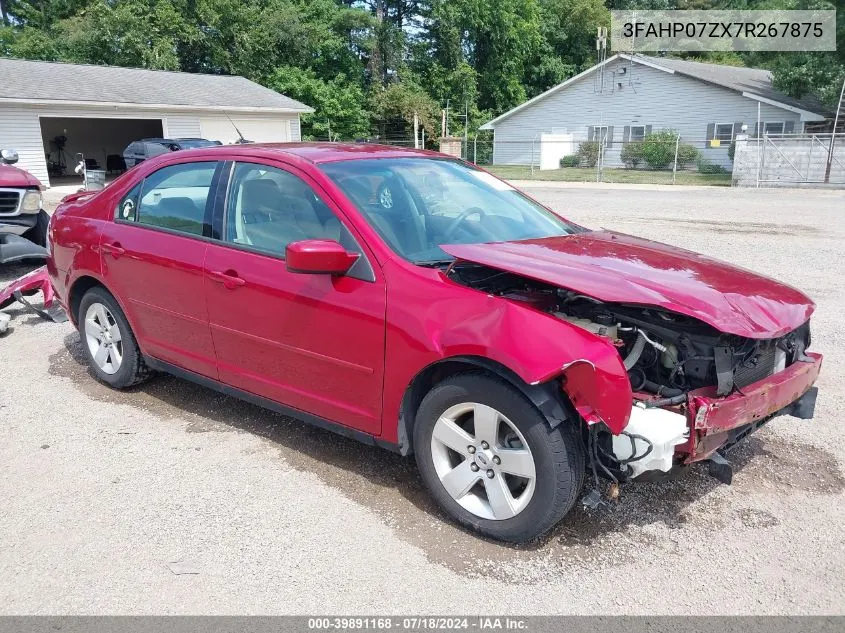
x: 153, y: 256
x: 314, y: 342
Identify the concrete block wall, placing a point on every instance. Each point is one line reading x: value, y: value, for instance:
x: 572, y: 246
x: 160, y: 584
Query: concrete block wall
x: 787, y: 161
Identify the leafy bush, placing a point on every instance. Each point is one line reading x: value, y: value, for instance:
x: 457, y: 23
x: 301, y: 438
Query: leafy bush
x: 588, y: 153
x: 632, y: 154
x: 687, y: 154
x: 706, y: 167
x: 658, y: 148
x: 570, y: 161
x: 732, y: 150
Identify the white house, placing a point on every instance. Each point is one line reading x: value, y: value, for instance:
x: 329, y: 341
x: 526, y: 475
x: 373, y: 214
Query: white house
x: 50, y: 111
x: 628, y: 96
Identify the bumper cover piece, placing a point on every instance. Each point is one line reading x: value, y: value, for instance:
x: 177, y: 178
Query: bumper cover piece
x: 789, y: 392
x: 30, y: 284
x: 14, y: 248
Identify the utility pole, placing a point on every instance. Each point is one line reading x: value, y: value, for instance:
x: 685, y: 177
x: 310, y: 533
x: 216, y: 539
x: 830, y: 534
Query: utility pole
x: 466, y: 130
x: 833, y: 135
x: 329, y: 123
x: 446, y: 120
x: 416, y: 130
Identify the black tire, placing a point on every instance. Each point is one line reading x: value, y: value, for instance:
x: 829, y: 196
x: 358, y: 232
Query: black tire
x: 558, y: 456
x: 38, y: 233
x: 133, y: 370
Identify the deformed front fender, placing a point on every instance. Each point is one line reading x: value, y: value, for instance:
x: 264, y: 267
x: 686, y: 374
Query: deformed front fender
x: 458, y: 322
x: 599, y: 395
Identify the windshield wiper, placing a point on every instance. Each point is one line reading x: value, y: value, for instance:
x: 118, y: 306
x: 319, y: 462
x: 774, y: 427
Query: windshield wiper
x: 435, y: 262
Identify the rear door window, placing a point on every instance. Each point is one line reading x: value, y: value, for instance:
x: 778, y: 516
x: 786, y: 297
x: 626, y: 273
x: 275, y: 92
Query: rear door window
x: 174, y: 198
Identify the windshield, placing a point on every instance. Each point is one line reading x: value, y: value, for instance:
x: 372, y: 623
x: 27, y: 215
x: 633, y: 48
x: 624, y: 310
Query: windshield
x: 416, y: 204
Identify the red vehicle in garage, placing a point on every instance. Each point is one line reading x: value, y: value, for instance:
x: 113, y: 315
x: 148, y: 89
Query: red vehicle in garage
x: 414, y: 301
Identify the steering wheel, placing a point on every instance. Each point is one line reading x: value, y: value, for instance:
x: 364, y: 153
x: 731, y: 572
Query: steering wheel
x: 460, y: 219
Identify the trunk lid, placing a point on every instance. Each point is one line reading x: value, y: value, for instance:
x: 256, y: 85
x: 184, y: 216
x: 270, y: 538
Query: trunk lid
x: 621, y: 268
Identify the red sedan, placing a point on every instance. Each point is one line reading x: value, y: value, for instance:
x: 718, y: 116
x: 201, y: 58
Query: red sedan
x: 414, y: 301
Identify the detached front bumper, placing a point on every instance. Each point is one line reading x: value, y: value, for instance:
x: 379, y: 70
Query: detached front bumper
x: 716, y: 421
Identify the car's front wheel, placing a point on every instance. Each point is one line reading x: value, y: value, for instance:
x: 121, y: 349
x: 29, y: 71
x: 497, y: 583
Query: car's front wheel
x: 492, y: 461
x: 108, y: 341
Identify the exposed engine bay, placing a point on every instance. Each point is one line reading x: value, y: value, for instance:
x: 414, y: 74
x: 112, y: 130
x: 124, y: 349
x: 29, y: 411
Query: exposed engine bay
x: 666, y: 355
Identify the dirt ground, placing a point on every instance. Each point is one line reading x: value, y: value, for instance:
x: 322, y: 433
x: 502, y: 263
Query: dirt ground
x: 173, y: 499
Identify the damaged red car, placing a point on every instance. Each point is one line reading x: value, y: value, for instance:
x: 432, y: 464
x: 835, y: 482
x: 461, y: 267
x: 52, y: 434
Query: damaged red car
x: 416, y: 302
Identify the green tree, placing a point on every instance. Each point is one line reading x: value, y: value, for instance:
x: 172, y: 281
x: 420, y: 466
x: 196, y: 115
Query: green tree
x: 337, y: 104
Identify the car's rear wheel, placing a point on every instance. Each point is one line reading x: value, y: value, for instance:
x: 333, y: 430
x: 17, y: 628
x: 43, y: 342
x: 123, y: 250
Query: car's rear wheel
x: 492, y: 461
x: 108, y: 341
x: 38, y: 233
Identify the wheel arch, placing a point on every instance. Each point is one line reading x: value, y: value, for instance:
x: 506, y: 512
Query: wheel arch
x: 83, y: 284
x: 78, y: 288
x: 546, y: 397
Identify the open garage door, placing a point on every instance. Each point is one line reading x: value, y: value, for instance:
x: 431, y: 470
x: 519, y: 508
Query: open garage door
x: 101, y: 140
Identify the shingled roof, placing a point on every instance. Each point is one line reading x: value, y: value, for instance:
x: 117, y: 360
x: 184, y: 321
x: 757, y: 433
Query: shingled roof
x: 753, y: 80
x: 37, y: 81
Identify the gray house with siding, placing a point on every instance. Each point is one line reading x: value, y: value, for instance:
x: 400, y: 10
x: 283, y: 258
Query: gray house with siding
x: 628, y: 96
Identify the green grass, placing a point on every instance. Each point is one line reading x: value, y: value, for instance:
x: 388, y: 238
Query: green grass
x: 634, y: 176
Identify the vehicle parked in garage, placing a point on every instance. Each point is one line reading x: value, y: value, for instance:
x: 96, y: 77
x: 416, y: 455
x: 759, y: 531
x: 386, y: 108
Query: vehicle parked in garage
x: 23, y: 223
x: 417, y: 302
x: 139, y: 151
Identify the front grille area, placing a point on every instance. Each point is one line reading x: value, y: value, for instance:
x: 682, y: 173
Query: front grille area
x: 9, y: 201
x: 759, y: 366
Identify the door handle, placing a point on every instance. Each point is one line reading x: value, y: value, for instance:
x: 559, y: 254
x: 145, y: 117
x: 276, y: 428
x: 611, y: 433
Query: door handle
x: 229, y: 279
x: 115, y: 249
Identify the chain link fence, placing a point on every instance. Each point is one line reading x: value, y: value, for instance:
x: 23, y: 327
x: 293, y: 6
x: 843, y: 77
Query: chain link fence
x: 664, y: 158
x: 659, y: 158
x: 790, y: 160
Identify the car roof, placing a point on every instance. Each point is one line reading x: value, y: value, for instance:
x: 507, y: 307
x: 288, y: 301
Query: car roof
x: 324, y: 152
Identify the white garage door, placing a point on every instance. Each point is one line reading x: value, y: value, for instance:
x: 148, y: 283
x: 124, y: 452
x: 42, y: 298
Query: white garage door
x: 259, y: 130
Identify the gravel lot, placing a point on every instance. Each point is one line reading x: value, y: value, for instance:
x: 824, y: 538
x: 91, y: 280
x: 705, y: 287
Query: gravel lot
x: 102, y: 492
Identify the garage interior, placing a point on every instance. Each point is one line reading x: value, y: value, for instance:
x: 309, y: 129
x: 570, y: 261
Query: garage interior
x: 100, y: 140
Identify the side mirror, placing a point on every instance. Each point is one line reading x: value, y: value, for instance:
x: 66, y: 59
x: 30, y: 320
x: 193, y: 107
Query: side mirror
x: 318, y: 257
x: 9, y: 156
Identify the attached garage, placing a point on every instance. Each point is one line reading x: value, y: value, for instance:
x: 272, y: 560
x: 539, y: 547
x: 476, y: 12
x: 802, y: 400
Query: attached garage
x: 50, y: 112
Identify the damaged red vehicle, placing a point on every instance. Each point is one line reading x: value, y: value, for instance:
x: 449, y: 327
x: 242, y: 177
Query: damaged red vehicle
x: 413, y: 301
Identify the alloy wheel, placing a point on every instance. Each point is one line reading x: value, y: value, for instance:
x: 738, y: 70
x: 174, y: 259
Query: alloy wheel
x: 483, y: 461
x: 104, y: 338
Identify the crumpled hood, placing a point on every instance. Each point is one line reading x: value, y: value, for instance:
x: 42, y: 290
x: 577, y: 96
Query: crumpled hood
x: 621, y: 268
x: 13, y: 177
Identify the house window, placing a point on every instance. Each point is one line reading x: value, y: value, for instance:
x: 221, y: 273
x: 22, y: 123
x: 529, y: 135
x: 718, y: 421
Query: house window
x: 600, y: 133
x: 773, y: 128
x: 637, y: 133
x: 724, y: 132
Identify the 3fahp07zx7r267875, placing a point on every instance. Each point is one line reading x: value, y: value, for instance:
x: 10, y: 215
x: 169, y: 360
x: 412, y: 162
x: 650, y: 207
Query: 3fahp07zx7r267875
x: 414, y: 301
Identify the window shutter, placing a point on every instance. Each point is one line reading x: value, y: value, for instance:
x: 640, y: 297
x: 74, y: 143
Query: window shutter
x: 758, y: 129
x: 737, y: 129
x: 590, y: 133
x: 711, y: 133
x: 647, y: 130
x: 626, y: 134
x: 609, y: 135
x: 789, y: 127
